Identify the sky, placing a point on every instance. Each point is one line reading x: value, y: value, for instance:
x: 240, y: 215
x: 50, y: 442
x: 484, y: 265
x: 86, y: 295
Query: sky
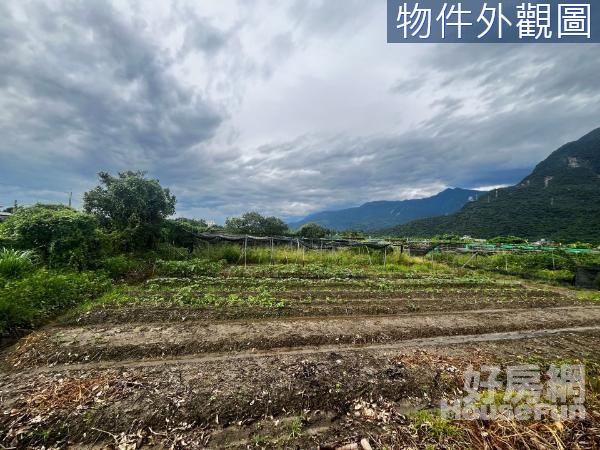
x: 283, y: 107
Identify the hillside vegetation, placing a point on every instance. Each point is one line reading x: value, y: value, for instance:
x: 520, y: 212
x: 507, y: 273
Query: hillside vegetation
x: 559, y: 200
x: 377, y: 215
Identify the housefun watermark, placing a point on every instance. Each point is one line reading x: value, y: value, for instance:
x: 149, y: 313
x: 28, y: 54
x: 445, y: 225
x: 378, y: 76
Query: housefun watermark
x: 524, y: 393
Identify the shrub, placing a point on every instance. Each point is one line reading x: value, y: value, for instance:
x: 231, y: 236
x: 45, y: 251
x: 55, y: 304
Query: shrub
x: 189, y: 268
x: 560, y: 276
x: 119, y: 266
x: 15, y: 263
x: 60, y: 235
x: 28, y: 302
x: 181, y: 232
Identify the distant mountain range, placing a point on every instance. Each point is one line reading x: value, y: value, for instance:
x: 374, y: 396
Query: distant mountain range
x: 384, y: 214
x: 559, y: 200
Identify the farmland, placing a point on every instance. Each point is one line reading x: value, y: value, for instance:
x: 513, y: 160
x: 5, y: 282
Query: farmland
x: 330, y: 352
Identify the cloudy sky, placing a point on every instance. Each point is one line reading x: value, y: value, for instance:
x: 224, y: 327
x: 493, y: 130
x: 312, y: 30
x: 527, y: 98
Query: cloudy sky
x: 285, y: 107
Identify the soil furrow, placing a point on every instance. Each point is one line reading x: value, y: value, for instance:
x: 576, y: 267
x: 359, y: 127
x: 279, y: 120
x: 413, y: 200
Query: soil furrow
x: 126, y: 341
x: 312, y: 350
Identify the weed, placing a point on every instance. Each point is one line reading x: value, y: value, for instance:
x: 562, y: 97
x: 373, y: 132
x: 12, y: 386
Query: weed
x: 31, y: 300
x: 296, y: 426
x: 16, y: 263
x: 433, y: 424
x: 257, y: 440
x: 119, y: 266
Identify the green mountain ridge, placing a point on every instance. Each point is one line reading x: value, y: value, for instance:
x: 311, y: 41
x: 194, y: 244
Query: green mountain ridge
x: 559, y: 200
x: 381, y: 214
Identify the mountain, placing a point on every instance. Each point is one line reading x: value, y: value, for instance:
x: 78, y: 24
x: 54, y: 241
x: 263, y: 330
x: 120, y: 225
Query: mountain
x: 559, y: 200
x: 382, y: 214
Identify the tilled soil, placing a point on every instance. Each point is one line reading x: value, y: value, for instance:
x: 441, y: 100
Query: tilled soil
x: 316, y: 308
x: 189, y: 378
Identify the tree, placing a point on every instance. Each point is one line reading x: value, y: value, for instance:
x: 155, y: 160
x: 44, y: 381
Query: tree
x: 59, y: 234
x: 313, y: 230
x: 181, y: 232
x: 254, y: 224
x: 352, y: 234
x: 131, y: 204
x: 508, y: 240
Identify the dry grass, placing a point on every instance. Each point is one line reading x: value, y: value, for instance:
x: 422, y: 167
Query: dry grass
x: 71, y: 393
x: 27, y: 348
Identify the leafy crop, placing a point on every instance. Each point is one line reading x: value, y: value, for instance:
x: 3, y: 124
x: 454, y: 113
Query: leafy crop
x: 188, y: 268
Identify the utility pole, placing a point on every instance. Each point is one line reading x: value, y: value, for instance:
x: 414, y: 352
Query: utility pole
x: 70, y: 198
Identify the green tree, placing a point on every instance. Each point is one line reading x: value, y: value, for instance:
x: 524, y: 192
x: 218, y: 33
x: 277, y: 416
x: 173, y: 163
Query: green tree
x: 257, y: 225
x: 181, y: 232
x: 60, y: 235
x: 352, y: 234
x: 313, y: 230
x: 508, y: 240
x: 131, y: 204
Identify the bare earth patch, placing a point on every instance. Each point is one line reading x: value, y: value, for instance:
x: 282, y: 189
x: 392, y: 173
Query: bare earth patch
x: 298, y: 380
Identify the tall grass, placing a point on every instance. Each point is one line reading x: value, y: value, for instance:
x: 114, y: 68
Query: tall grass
x: 362, y: 256
x: 550, y: 266
x: 16, y: 263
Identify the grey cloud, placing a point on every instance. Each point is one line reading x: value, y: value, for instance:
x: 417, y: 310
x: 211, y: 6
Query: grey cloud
x: 328, y: 17
x: 407, y: 85
x: 95, y: 76
x: 85, y: 87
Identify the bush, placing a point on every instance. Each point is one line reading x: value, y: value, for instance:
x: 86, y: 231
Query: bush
x: 60, y: 235
x: 28, y: 302
x: 118, y: 267
x: 15, y: 263
x: 182, y: 232
x: 559, y: 276
x: 189, y: 268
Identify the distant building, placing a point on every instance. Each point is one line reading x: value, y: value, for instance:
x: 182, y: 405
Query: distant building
x: 4, y: 216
